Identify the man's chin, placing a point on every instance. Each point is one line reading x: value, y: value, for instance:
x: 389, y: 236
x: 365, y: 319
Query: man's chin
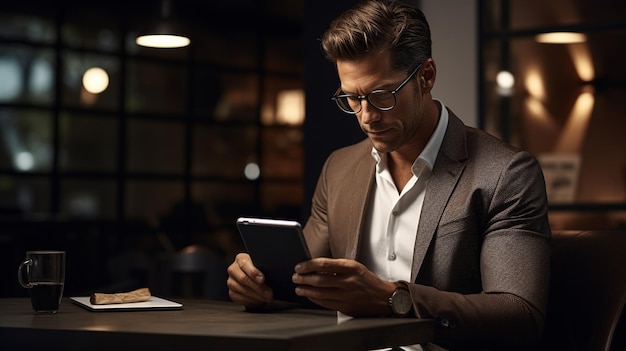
x: 382, y: 147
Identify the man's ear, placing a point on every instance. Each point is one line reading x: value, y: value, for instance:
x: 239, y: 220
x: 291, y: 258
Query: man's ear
x: 429, y: 72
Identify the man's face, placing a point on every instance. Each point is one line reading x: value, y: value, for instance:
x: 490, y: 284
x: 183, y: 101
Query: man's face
x: 388, y: 130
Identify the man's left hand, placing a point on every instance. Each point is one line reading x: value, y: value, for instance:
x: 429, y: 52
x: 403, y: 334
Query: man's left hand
x: 343, y: 285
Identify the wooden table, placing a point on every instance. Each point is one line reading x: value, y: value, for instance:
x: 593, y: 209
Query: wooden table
x: 200, y: 325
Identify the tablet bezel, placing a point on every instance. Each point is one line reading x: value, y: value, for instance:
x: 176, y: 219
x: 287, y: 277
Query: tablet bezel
x: 275, y: 247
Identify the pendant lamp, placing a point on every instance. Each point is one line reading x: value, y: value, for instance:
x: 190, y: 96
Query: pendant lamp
x: 164, y: 33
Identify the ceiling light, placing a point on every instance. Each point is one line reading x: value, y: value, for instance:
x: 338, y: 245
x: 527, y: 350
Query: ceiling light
x: 162, y: 41
x: 561, y: 38
x: 164, y: 34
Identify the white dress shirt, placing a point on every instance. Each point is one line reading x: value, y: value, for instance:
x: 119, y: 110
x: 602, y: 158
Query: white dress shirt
x: 391, y: 224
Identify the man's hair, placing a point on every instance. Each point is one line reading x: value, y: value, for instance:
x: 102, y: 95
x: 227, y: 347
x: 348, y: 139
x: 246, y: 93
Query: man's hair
x: 374, y: 26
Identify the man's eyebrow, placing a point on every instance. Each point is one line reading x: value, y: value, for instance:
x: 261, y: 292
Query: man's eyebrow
x: 388, y: 87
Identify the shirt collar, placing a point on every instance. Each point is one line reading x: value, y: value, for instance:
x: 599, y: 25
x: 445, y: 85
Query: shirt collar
x: 429, y: 154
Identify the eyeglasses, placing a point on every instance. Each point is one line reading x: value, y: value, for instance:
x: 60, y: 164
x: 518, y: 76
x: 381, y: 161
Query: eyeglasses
x: 381, y: 99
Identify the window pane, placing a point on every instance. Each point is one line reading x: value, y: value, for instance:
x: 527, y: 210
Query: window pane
x: 208, y: 88
x: 282, y: 153
x: 89, y: 198
x: 156, y: 88
x: 283, y: 101
x: 284, y: 54
x: 26, y: 139
x: 223, y: 151
x: 74, y: 93
x: 282, y: 199
x: 540, y: 13
x: 27, y: 27
x: 238, y: 99
x: 88, y: 143
x: 224, y: 203
x: 26, y: 75
x: 286, y: 9
x: 92, y: 26
x: 232, y: 50
x: 155, y: 147
x: 150, y: 200
x: 20, y: 195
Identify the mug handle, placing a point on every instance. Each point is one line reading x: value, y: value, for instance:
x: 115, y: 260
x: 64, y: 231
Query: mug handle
x: 20, y: 273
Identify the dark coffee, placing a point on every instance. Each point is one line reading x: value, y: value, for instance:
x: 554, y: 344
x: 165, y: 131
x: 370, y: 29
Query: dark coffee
x: 45, y: 296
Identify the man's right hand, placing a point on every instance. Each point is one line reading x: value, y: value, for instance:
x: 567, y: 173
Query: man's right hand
x: 246, y: 284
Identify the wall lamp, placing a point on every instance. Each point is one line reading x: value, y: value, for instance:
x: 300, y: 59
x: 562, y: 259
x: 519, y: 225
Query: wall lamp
x: 164, y: 34
x: 561, y: 38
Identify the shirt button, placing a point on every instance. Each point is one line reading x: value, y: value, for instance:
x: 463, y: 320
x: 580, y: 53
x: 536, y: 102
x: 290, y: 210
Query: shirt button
x: 392, y: 256
x: 395, y: 213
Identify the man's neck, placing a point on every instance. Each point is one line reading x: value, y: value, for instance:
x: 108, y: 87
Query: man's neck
x: 400, y: 162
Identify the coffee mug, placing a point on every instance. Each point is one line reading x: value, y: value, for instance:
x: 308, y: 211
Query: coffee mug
x: 43, y: 274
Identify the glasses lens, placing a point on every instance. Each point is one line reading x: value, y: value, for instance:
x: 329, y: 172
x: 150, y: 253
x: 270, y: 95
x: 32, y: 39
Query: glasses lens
x: 382, y: 99
x: 348, y: 104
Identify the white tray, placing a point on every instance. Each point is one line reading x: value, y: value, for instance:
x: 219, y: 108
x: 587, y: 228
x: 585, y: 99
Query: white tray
x: 155, y: 303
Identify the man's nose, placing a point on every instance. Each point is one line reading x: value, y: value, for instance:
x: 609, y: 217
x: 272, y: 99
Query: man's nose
x: 369, y: 113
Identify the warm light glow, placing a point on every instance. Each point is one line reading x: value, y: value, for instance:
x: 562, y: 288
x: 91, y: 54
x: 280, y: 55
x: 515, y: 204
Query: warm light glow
x: 534, y: 85
x: 560, y: 38
x: 583, y: 62
x: 542, y: 118
x: 290, y: 107
x: 573, y: 135
x: 95, y: 80
x: 163, y: 41
x: 536, y: 109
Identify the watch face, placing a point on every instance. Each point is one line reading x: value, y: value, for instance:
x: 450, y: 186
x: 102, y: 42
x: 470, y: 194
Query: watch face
x: 401, y: 303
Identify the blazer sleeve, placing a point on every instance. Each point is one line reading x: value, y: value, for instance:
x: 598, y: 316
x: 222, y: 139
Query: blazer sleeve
x: 316, y: 229
x: 509, y: 312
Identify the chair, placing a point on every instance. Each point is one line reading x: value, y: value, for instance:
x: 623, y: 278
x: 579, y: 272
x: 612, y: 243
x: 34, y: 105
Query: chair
x: 198, y: 272
x: 587, y: 292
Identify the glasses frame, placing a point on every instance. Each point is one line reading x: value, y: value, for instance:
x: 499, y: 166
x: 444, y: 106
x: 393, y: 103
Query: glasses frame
x: 393, y: 93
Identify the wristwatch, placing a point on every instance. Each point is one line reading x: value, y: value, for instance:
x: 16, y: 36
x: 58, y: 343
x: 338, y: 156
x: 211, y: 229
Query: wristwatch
x: 400, y: 302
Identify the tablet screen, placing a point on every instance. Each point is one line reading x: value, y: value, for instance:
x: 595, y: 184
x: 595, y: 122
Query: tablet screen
x: 275, y: 247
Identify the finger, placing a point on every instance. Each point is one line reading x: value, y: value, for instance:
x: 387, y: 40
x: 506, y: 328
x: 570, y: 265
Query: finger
x: 244, y: 295
x: 330, y: 266
x: 322, y: 280
x: 244, y: 261
x: 327, y: 296
x: 240, y: 283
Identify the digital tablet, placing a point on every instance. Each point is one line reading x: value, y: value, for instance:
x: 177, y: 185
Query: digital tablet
x: 275, y: 246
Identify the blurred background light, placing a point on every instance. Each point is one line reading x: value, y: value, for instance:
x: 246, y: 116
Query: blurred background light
x: 95, y: 80
x: 504, y: 83
x: 24, y: 161
x: 560, y: 38
x: 290, y: 107
x: 252, y: 171
x: 10, y: 79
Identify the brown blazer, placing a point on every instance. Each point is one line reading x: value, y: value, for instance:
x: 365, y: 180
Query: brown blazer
x: 482, y: 253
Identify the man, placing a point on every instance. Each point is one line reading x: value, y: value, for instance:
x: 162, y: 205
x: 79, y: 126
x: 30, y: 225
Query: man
x: 425, y: 208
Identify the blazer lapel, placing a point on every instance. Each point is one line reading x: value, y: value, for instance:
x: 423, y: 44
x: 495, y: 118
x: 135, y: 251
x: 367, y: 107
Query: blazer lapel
x: 364, y: 178
x: 446, y: 173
